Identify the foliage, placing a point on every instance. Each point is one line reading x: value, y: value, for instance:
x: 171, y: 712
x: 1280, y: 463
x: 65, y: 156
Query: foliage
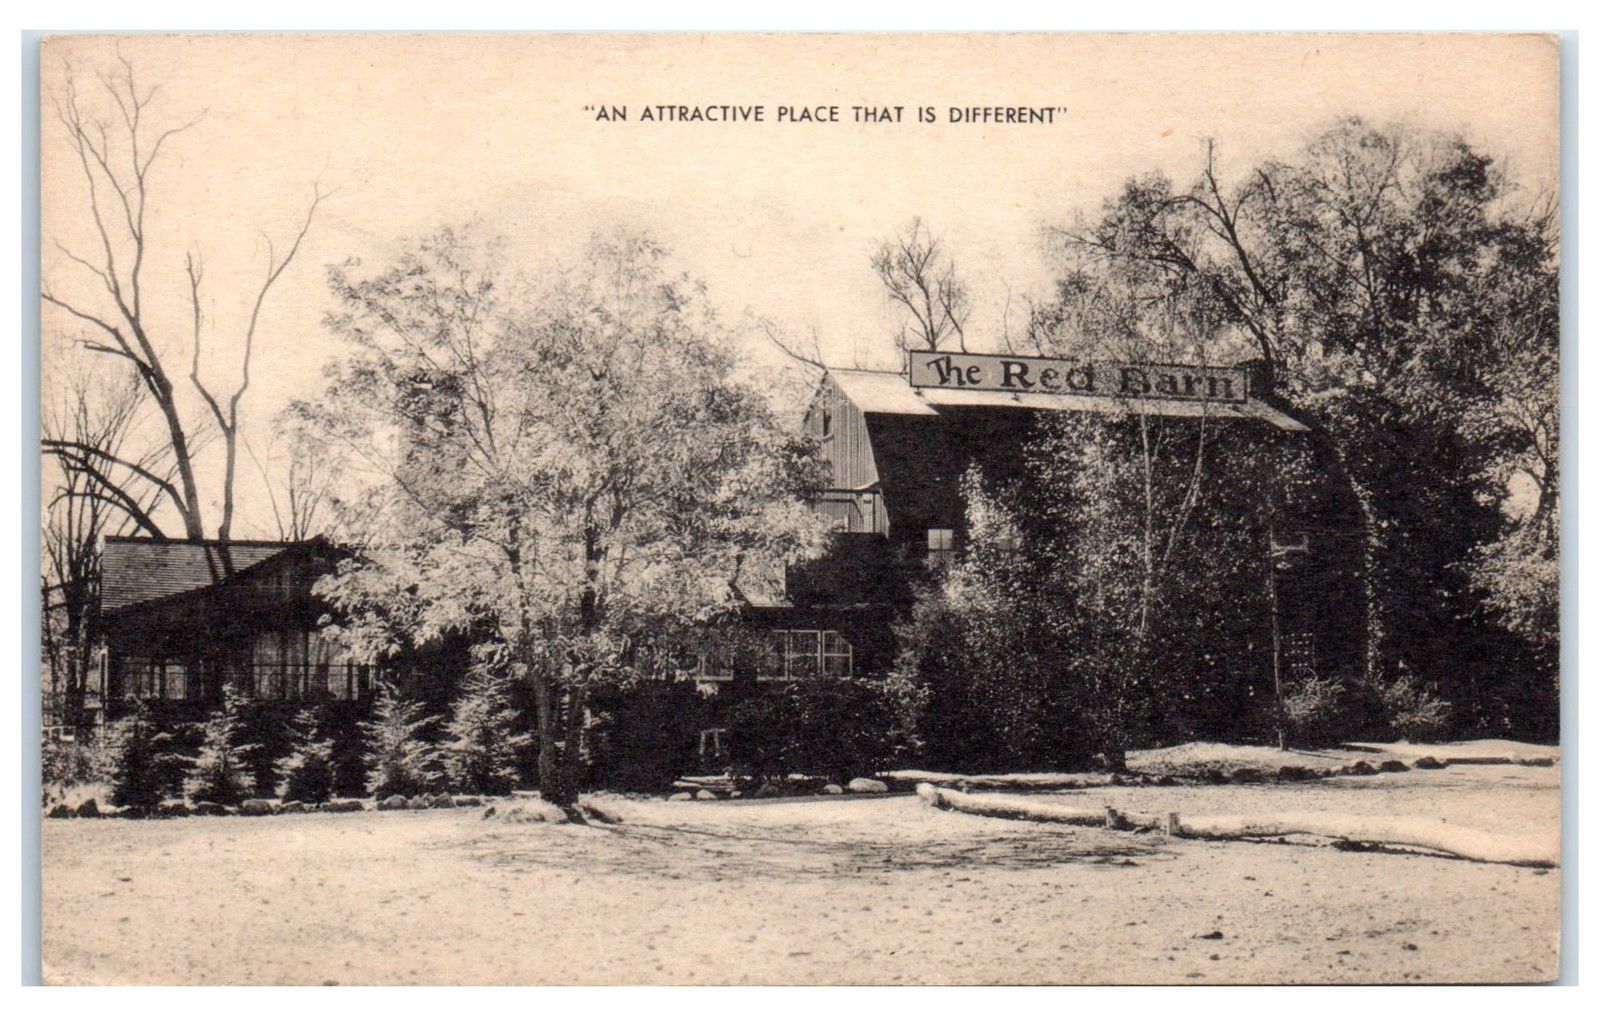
x: 482, y: 739
x: 1314, y: 711
x: 138, y: 759
x: 1414, y: 712
x: 837, y: 728
x: 572, y: 469
x: 1399, y: 297
x: 647, y: 736
x: 69, y: 763
x: 399, y: 760
x: 222, y: 773
x: 308, y: 772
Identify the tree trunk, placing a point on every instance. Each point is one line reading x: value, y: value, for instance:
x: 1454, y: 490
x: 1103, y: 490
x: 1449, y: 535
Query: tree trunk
x: 1371, y: 556
x: 544, y: 725
x: 563, y: 792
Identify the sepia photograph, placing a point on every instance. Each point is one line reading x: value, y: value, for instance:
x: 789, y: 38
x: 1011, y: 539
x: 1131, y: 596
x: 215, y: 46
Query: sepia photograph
x: 799, y: 509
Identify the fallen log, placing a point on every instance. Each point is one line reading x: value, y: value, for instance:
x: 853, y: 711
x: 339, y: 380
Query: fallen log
x: 1001, y: 781
x: 1457, y: 841
x: 1007, y: 806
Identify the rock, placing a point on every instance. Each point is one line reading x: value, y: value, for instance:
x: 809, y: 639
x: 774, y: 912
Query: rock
x: 768, y: 790
x: 258, y: 806
x: 489, y: 812
x: 833, y: 788
x: 1427, y: 762
x: 682, y: 795
x: 345, y: 804
x: 862, y: 785
x: 394, y: 802
x: 1359, y: 769
x: 88, y: 809
x: 419, y: 802
x: 1392, y: 765
x: 441, y: 801
x: 1246, y: 776
x: 1294, y: 774
x: 208, y: 808
x: 292, y: 808
x: 600, y: 810
x: 1167, y: 780
x: 704, y: 795
x: 1212, y: 935
x: 61, y: 810
x: 528, y: 811
x: 1215, y: 776
x: 467, y: 801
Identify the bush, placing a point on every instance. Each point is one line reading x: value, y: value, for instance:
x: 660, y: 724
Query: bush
x: 480, y: 756
x: 308, y: 772
x: 399, y: 760
x: 222, y: 774
x: 1312, y: 710
x: 138, y: 759
x: 647, y: 736
x: 69, y: 763
x: 1414, y: 712
x: 835, y: 728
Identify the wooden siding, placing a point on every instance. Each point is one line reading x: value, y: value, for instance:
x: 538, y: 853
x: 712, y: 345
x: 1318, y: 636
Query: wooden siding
x: 841, y: 428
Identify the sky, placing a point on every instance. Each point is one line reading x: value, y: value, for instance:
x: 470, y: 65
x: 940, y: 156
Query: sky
x: 779, y: 219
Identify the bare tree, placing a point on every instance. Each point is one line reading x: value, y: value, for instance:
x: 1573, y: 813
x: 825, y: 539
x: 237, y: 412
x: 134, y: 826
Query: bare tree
x: 94, y: 491
x: 117, y: 148
x: 307, y: 506
x: 919, y: 277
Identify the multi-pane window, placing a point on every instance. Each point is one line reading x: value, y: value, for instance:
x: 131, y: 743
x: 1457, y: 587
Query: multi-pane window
x: 941, y: 546
x: 800, y: 654
x: 144, y: 678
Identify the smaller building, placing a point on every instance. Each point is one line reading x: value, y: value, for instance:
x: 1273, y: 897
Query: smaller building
x: 183, y: 619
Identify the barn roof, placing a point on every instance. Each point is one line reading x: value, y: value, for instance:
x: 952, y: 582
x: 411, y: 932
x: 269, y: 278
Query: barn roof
x: 136, y: 569
x: 891, y: 393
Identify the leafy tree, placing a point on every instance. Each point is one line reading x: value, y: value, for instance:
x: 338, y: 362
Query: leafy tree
x: 138, y: 756
x: 399, y: 759
x: 572, y: 469
x: 480, y: 753
x: 222, y: 772
x: 308, y: 772
x: 1389, y: 287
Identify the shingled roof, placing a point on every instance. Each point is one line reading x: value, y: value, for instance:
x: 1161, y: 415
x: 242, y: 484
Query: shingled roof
x: 136, y: 569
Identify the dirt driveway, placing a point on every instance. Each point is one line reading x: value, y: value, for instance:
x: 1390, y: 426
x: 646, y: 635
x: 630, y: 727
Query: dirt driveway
x: 867, y: 890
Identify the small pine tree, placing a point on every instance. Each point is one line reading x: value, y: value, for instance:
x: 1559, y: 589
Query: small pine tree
x: 399, y: 761
x: 138, y: 756
x: 481, y: 754
x: 308, y: 771
x: 221, y: 773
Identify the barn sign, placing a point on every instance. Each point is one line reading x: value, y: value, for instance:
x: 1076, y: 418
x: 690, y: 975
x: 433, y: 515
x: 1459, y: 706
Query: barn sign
x: 1046, y: 376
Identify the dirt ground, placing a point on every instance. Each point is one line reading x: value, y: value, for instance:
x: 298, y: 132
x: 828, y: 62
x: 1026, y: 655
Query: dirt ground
x: 863, y: 890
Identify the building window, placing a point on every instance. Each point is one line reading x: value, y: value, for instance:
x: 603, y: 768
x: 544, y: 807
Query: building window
x: 941, y: 547
x: 827, y: 423
x: 838, y: 659
x: 175, y: 681
x: 714, y: 666
x: 802, y: 654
